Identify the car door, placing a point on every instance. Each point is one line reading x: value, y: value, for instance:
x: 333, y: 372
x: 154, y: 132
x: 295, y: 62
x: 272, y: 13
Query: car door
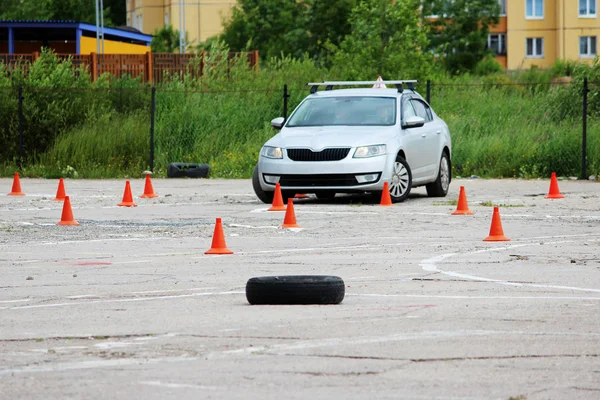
x: 413, y: 143
x: 431, y: 137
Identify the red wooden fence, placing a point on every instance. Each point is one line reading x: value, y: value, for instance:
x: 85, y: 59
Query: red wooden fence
x: 153, y: 67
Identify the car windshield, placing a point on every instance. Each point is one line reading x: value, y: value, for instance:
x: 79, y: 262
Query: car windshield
x: 349, y: 110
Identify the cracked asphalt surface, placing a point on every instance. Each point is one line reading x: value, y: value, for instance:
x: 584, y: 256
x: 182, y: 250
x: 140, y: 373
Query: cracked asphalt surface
x: 127, y: 306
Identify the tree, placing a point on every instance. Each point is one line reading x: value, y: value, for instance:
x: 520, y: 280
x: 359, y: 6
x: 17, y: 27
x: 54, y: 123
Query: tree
x: 273, y: 27
x: 462, y: 29
x: 165, y: 40
x: 386, y: 39
x: 328, y: 21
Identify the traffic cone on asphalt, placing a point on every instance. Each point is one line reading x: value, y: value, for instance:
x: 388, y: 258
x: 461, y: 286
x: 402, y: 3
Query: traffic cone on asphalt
x: 127, y: 197
x: 386, y: 199
x: 554, y: 193
x: 148, y: 189
x: 289, y: 221
x: 218, y: 242
x: 16, y: 187
x: 277, y: 200
x: 496, y: 232
x: 462, y: 208
x: 60, y: 192
x: 67, y: 214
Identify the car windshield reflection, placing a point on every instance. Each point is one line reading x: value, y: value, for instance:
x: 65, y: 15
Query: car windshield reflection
x: 347, y: 111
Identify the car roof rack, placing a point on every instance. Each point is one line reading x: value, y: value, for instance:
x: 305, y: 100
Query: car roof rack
x: 314, y: 86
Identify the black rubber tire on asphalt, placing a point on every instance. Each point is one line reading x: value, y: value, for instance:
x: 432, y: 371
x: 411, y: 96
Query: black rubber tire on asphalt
x: 265, y: 197
x: 187, y: 170
x: 295, y: 289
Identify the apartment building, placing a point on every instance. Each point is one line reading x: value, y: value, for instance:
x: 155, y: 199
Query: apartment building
x: 201, y: 19
x: 538, y: 32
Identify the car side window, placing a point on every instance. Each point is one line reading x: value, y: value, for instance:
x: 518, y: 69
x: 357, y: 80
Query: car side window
x: 408, y: 111
x: 422, y: 110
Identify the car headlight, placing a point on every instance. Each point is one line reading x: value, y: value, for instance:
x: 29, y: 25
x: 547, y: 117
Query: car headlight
x: 271, y: 152
x: 369, y: 151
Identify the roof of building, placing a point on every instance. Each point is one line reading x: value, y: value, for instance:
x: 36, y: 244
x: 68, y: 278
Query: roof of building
x: 119, y: 32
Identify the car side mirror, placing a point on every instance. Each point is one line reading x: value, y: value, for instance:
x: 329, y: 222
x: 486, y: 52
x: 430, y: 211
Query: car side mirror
x: 413, y: 122
x: 278, y: 122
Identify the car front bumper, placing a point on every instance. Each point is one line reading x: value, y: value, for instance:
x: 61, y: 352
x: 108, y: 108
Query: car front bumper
x: 347, y: 175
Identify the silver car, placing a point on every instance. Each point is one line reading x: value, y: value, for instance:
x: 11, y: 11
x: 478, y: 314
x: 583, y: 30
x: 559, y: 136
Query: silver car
x: 355, y: 140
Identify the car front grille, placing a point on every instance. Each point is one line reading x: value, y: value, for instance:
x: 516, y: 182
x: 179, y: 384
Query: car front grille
x: 324, y: 180
x: 333, y: 154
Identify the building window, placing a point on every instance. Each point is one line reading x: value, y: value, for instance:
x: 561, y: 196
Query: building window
x: 587, y: 8
x: 497, y: 43
x: 534, y: 9
x: 587, y: 46
x: 502, y: 7
x: 535, y: 47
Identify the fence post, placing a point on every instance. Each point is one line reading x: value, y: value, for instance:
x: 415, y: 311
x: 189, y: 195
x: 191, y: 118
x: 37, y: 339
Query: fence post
x: 584, y: 133
x: 152, y: 110
x: 428, y: 95
x: 94, y: 66
x: 21, y: 127
x: 149, y: 67
x: 285, y: 102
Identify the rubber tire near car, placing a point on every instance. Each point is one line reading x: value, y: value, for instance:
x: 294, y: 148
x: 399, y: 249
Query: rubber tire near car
x: 295, y: 289
x: 187, y: 170
x: 436, y: 189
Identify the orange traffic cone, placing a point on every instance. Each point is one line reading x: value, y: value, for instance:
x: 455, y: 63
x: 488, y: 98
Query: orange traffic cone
x: 218, y: 242
x: 462, y: 208
x: 60, y: 193
x: 148, y: 189
x: 277, y: 200
x: 67, y: 214
x: 554, y: 193
x: 289, y: 221
x: 386, y: 199
x: 496, y: 232
x: 301, y: 196
x: 16, y: 187
x: 127, y: 197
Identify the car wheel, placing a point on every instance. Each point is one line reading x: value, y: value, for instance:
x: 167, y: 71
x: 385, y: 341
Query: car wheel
x: 401, y: 182
x: 439, y: 188
x: 265, y: 197
x: 325, y: 195
x: 295, y: 289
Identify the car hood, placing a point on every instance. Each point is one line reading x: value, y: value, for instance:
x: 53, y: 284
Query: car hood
x: 318, y: 138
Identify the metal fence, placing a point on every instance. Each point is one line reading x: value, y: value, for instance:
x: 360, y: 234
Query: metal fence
x: 149, y: 126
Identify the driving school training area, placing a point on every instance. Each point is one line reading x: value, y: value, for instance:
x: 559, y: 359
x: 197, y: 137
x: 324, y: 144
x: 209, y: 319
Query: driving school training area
x: 127, y: 305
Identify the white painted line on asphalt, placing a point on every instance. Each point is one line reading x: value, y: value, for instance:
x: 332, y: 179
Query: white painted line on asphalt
x: 252, y: 227
x: 174, y: 290
x: 430, y: 266
x: 135, y: 299
x: 100, y: 240
x: 70, y: 366
x: 335, y: 342
x: 81, y: 296
x: 298, y: 210
x: 426, y: 296
x: 172, y: 385
x: 14, y: 301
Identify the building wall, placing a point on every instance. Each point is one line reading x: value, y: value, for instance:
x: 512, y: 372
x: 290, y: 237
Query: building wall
x: 203, y: 18
x: 88, y: 45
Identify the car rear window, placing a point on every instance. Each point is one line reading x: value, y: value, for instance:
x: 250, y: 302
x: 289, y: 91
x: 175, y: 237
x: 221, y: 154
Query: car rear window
x: 349, y: 111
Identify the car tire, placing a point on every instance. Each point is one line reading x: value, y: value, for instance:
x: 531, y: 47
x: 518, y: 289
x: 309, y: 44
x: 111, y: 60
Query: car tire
x: 295, y: 289
x: 325, y: 195
x: 265, y: 197
x: 439, y: 188
x: 401, y: 182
